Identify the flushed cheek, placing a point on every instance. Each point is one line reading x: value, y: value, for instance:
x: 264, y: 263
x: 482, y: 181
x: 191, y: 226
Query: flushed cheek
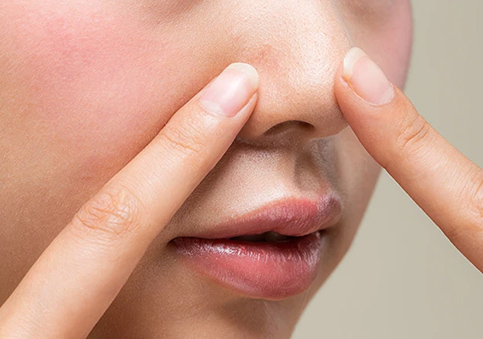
x: 94, y: 81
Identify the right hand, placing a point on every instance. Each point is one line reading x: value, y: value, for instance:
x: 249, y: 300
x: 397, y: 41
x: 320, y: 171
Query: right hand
x: 73, y: 282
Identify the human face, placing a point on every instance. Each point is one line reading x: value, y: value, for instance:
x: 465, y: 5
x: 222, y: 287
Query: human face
x: 85, y: 85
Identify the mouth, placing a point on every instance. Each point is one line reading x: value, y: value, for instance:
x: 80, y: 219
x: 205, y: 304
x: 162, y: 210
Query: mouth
x: 272, y: 237
x: 270, y: 253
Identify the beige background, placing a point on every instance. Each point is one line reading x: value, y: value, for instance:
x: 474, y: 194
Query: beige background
x: 402, y: 278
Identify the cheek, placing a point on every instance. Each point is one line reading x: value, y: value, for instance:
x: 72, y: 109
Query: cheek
x: 93, y: 81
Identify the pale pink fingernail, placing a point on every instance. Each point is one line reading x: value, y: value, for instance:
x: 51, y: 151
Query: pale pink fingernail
x: 231, y: 90
x: 366, y: 78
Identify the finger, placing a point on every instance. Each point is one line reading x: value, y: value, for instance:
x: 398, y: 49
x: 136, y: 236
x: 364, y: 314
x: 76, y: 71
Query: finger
x: 77, y: 277
x: 441, y: 180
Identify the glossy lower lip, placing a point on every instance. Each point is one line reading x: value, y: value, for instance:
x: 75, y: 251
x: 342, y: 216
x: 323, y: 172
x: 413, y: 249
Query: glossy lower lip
x: 268, y: 270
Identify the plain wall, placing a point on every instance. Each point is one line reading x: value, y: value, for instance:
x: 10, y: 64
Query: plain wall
x: 402, y: 278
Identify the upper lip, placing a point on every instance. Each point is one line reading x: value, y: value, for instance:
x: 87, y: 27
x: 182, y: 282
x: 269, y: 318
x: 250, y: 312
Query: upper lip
x: 290, y: 217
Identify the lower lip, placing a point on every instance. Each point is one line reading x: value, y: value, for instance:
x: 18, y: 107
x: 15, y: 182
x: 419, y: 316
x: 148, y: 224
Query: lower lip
x: 268, y: 270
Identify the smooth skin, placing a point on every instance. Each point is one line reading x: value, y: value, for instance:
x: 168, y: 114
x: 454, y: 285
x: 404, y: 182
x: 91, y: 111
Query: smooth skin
x: 77, y: 277
x: 86, y: 85
x: 74, y: 281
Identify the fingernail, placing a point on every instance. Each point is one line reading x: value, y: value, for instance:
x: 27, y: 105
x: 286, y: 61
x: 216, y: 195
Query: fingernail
x: 231, y: 90
x: 366, y: 78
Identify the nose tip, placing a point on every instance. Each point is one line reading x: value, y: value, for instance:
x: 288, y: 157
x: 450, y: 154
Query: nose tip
x: 296, y: 67
x: 287, y: 114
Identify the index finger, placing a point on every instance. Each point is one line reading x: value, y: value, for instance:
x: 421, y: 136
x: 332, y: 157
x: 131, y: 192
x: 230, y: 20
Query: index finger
x: 440, y: 179
x: 78, y: 276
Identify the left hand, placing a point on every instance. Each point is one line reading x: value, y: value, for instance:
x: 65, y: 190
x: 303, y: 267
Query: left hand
x: 440, y: 179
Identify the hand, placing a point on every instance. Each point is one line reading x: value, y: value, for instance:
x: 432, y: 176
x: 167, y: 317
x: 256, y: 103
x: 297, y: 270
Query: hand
x: 77, y: 277
x: 441, y: 180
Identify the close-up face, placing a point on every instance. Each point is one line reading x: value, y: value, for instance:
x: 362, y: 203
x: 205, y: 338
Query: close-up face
x: 86, y: 85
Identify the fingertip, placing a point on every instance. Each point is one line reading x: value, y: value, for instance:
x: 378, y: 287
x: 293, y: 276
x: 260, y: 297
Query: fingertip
x: 362, y: 76
x: 249, y: 70
x: 231, y: 90
x: 350, y: 59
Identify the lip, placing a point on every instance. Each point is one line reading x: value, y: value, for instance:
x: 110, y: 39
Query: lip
x: 267, y: 270
x: 290, y: 216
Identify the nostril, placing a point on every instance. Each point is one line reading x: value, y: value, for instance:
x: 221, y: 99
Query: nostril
x: 289, y: 133
x: 291, y: 124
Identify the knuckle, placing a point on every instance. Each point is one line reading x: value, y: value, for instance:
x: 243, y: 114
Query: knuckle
x: 413, y: 134
x: 186, y: 141
x: 111, y: 215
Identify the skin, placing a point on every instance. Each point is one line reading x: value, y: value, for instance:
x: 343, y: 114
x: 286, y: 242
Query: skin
x: 86, y: 86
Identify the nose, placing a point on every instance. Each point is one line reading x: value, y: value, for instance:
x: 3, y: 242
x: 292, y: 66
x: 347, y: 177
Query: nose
x: 296, y: 47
